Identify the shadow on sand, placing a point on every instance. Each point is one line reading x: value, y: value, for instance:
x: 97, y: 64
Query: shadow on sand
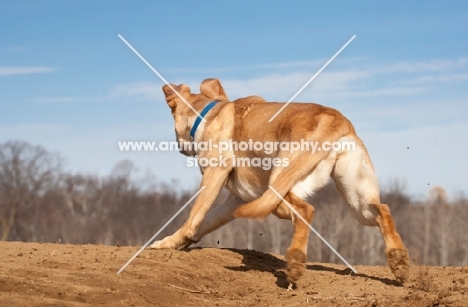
x: 253, y: 260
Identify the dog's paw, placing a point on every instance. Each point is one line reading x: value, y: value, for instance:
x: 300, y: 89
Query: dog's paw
x: 295, y: 267
x: 161, y: 245
x: 398, y: 260
x: 171, y: 242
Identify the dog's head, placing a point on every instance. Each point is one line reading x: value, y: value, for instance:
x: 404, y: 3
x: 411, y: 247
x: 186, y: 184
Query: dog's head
x: 182, y: 109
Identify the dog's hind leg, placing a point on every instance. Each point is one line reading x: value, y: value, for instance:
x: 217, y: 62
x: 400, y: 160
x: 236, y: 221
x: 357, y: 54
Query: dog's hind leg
x: 296, y: 255
x: 355, y: 178
x: 282, y: 180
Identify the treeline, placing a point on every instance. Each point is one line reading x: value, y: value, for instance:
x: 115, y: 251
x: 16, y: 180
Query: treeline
x: 40, y: 202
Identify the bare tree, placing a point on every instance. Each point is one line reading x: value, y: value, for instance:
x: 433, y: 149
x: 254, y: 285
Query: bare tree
x: 40, y: 203
x: 25, y: 172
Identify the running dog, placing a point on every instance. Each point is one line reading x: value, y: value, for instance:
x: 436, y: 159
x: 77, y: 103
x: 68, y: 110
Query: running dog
x: 293, y: 175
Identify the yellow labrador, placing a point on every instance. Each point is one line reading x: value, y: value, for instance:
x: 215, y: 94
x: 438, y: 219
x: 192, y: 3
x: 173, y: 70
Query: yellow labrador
x: 294, y: 174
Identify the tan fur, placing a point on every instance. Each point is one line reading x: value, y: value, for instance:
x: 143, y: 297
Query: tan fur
x: 247, y: 119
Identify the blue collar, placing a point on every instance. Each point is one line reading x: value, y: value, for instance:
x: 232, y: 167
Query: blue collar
x: 205, y: 110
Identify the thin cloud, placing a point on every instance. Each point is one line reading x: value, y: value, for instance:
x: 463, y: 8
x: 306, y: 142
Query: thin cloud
x: 431, y: 66
x: 455, y: 78
x: 15, y: 49
x: 145, y: 90
x: 32, y: 131
x: 399, y: 79
x: 330, y: 85
x: 67, y: 99
x: 21, y: 70
x: 142, y: 90
x: 388, y: 91
x: 370, y: 81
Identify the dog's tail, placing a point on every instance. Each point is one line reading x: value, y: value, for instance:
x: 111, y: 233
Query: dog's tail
x: 298, y: 169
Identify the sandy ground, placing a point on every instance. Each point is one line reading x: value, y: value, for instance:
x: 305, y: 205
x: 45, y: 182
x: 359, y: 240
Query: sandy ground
x: 35, y: 274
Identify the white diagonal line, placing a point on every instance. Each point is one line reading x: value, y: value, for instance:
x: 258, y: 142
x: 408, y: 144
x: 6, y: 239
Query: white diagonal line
x: 162, y: 228
x: 160, y: 77
x: 313, y: 77
x: 313, y: 229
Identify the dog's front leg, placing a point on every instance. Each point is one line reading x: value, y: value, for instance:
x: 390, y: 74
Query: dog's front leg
x: 213, y: 179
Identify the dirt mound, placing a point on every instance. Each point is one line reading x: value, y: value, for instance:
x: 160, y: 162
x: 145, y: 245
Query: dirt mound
x: 34, y: 274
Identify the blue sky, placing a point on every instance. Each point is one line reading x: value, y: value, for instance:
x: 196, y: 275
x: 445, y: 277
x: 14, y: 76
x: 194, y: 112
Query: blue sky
x: 69, y: 83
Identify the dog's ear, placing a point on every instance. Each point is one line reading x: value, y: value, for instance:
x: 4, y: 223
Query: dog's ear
x: 213, y: 89
x: 171, y: 96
